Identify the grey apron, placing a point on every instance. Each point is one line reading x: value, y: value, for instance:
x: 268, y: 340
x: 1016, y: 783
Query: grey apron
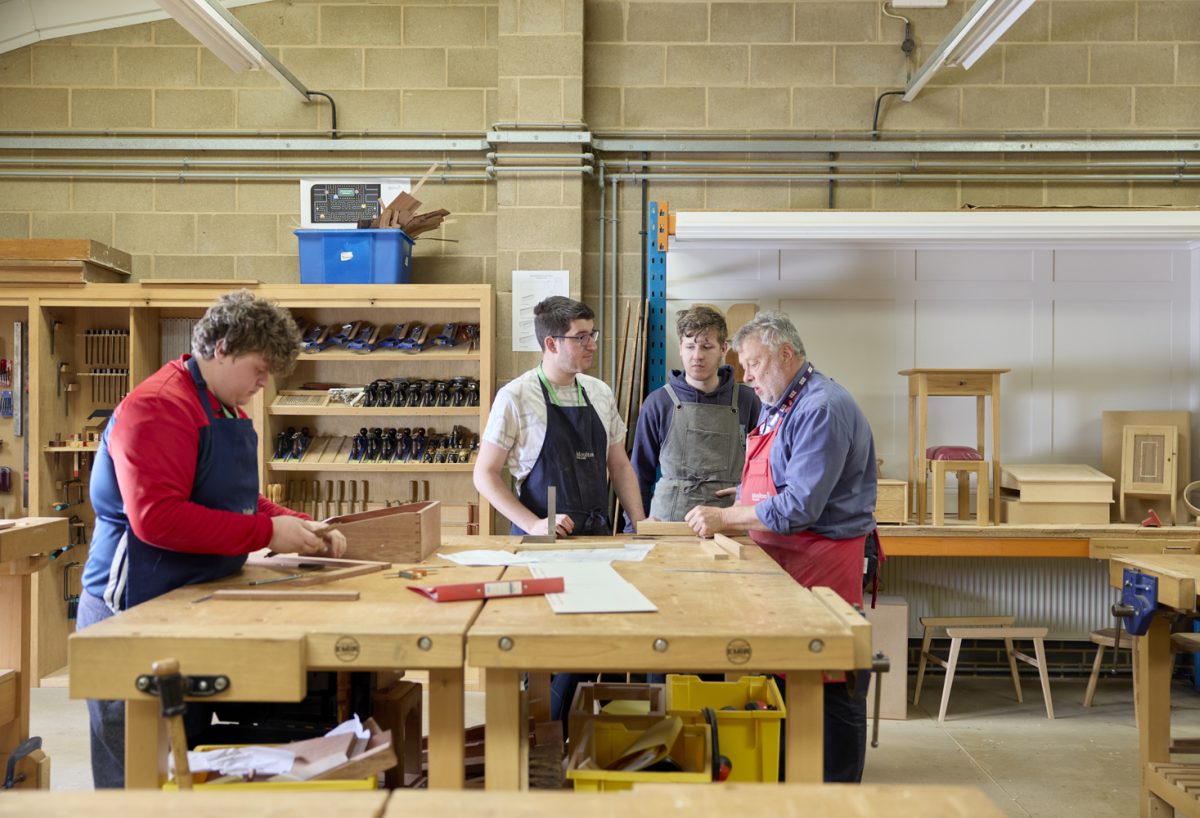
x: 703, y: 452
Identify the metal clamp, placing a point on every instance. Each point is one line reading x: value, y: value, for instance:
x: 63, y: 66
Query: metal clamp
x: 198, y: 686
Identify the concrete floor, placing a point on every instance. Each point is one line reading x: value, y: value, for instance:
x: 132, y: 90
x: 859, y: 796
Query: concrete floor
x: 1084, y: 763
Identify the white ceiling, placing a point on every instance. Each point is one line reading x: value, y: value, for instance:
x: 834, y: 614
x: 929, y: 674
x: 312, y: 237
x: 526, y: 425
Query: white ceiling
x: 23, y: 22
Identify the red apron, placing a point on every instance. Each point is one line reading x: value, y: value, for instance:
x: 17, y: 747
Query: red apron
x: 809, y: 558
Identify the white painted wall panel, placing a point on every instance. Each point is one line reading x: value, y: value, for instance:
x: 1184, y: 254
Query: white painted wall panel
x: 837, y: 268
x: 1108, y: 355
x: 1112, y: 264
x: 974, y: 264
x: 849, y: 341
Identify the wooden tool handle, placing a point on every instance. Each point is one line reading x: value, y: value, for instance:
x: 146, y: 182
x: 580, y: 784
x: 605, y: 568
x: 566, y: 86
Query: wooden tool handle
x: 164, y: 670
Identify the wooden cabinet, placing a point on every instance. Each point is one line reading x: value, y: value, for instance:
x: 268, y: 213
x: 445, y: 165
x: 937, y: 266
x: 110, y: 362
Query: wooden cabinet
x: 88, y: 345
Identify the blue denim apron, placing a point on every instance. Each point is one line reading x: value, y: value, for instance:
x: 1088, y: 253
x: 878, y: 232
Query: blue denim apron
x: 573, y: 460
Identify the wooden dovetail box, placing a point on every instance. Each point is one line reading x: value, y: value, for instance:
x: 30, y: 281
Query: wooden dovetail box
x: 1040, y: 494
x: 592, y: 697
x: 407, y: 533
x: 891, y: 502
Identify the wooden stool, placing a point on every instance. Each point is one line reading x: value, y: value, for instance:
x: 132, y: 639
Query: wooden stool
x: 924, y: 384
x: 930, y: 624
x: 1003, y: 631
x: 962, y: 469
x: 1106, y: 638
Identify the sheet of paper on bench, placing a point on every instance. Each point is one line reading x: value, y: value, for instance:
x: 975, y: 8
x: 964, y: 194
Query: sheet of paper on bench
x: 631, y: 552
x: 592, y: 589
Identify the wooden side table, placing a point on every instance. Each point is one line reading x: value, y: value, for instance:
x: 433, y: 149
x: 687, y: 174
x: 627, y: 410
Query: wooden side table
x: 926, y: 383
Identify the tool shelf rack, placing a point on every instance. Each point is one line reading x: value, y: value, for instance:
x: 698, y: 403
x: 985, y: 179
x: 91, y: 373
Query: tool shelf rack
x: 57, y: 318
x: 386, y: 305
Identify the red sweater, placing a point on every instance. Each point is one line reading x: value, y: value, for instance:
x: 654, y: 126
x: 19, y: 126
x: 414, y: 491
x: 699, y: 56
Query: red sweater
x: 154, y: 444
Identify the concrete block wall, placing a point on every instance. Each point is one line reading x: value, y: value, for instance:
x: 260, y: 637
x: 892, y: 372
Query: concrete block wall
x: 618, y: 65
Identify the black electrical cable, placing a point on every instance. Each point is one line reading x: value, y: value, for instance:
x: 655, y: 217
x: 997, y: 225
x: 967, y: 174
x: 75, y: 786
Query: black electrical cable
x: 878, y: 102
x: 332, y: 110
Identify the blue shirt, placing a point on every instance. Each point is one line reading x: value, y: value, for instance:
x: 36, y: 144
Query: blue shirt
x: 823, y: 465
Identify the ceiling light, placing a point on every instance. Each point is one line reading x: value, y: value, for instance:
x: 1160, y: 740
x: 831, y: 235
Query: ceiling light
x: 232, y: 43
x: 979, y: 28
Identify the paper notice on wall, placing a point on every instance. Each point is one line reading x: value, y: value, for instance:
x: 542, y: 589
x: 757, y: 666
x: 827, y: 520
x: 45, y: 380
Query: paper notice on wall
x: 529, y: 287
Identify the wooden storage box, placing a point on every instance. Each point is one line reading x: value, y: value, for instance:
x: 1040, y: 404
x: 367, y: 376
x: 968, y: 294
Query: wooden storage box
x: 891, y: 502
x: 407, y: 533
x: 591, y: 697
x: 1018, y: 512
x: 1047, y: 494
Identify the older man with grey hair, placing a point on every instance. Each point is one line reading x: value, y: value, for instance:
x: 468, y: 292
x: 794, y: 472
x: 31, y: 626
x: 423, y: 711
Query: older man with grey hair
x: 807, y: 495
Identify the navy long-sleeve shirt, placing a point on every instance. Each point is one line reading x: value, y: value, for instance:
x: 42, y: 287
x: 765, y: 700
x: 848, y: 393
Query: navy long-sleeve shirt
x: 823, y: 465
x: 654, y: 421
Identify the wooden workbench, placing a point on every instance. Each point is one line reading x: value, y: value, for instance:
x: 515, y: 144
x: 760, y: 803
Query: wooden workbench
x: 199, y: 804
x: 713, y: 616
x: 1098, y: 542
x: 866, y: 801
x: 1165, y: 786
x: 24, y: 549
x: 266, y: 648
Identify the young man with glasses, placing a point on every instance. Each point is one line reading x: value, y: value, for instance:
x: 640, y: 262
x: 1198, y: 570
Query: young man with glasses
x: 555, y: 426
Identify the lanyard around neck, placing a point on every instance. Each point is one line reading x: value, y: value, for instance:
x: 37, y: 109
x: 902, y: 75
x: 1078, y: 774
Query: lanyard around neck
x: 776, y: 414
x: 551, y: 390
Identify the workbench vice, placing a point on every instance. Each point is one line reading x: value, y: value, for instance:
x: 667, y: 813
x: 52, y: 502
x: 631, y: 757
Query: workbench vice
x: 198, y: 686
x: 1139, y: 601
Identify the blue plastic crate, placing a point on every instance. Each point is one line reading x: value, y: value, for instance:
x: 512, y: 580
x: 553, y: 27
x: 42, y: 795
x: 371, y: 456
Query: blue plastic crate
x: 355, y: 256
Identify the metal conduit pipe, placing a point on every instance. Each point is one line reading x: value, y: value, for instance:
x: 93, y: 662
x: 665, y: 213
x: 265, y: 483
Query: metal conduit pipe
x: 914, y: 164
x: 185, y: 175
x: 612, y: 266
x: 600, y: 270
x: 256, y: 163
x: 905, y: 177
x: 492, y: 156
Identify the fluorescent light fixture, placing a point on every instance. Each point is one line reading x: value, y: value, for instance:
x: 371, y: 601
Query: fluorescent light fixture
x: 978, y: 30
x: 233, y: 44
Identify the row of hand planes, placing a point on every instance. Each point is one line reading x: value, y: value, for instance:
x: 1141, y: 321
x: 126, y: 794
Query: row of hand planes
x: 365, y: 337
x: 379, y: 445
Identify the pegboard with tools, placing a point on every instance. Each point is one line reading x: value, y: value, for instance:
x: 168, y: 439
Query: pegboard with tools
x: 106, y: 356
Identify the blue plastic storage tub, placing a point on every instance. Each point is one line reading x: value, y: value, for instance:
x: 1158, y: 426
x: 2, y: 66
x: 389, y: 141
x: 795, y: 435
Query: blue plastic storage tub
x: 355, y: 256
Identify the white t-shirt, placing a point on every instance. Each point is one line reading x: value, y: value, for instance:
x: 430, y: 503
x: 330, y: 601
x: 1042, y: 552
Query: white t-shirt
x: 517, y: 421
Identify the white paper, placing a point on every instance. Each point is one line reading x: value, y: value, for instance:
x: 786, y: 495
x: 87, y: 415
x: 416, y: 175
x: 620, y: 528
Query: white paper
x: 351, y: 725
x: 630, y: 552
x: 261, y: 761
x: 592, y: 589
x: 529, y: 288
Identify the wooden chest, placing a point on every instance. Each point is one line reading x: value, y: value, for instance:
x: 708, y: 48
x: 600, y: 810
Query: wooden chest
x: 1041, y: 494
x: 891, y: 503
x: 407, y: 533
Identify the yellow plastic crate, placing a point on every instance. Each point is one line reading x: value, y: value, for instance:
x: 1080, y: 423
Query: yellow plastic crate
x: 603, y: 742
x: 748, y: 738
x: 199, y: 781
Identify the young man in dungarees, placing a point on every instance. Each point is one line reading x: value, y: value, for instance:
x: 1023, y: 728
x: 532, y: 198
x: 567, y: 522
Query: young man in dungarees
x: 175, y: 487
x: 807, y: 496
x: 694, y: 428
x: 555, y: 426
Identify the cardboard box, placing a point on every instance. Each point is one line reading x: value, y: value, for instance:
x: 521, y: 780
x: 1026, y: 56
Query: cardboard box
x: 406, y: 533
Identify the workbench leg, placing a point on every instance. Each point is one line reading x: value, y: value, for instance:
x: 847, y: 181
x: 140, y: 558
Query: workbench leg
x: 447, y: 732
x: 506, y: 755
x: 805, y: 726
x: 145, y: 745
x: 15, y: 599
x: 1153, y: 705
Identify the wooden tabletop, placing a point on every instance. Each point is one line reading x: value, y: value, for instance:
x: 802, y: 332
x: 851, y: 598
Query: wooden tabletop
x: 265, y: 646
x: 952, y: 371
x: 712, y: 616
x: 31, y: 536
x: 699, y: 801
x: 198, y: 804
x: 1178, y: 576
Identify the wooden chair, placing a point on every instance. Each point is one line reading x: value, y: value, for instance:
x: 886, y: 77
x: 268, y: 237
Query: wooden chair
x: 1106, y: 638
x: 1005, y: 631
